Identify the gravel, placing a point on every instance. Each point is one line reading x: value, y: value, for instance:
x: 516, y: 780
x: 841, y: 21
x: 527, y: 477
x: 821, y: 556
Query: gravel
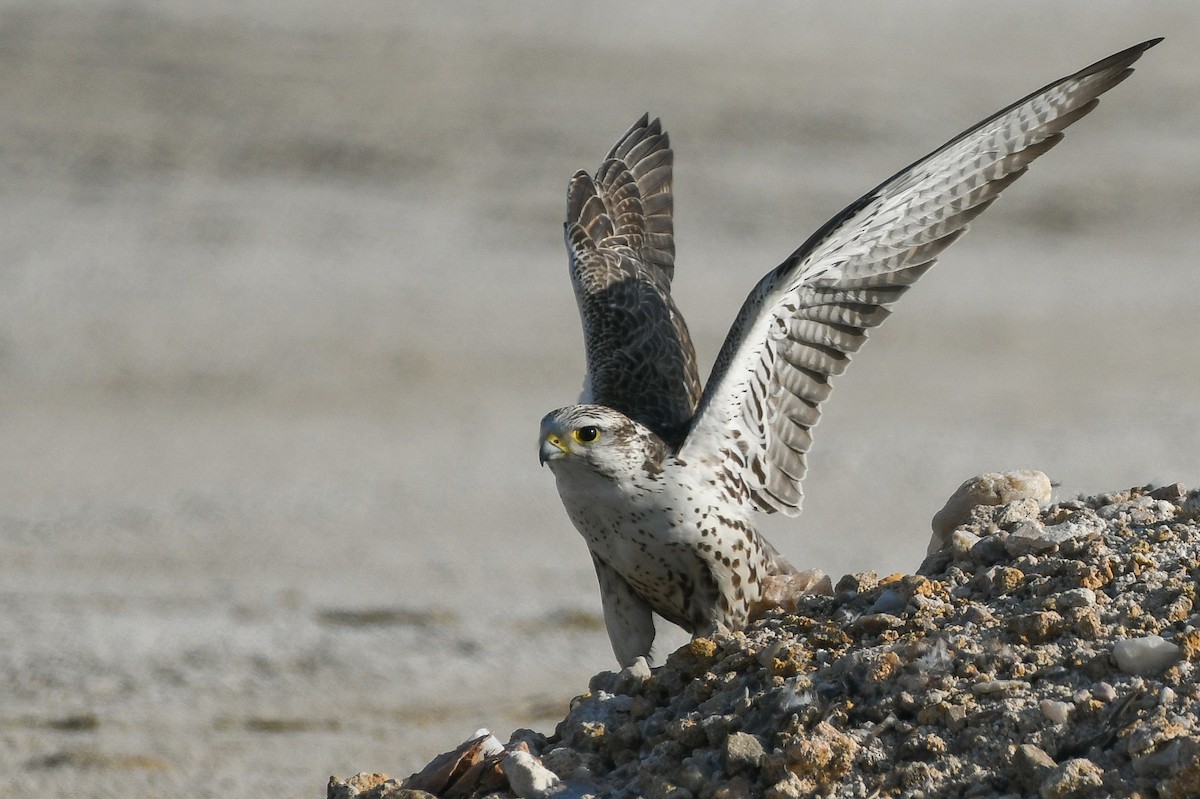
x: 1049, y: 652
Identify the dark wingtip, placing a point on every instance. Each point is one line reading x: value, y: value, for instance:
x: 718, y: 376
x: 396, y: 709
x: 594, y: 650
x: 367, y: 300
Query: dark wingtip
x: 1126, y: 56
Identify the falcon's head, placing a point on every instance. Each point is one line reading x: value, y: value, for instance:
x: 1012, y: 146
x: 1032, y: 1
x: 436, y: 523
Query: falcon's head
x: 599, y: 439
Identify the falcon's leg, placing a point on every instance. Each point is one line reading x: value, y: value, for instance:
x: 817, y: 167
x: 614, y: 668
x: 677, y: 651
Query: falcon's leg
x: 629, y: 620
x: 709, y: 608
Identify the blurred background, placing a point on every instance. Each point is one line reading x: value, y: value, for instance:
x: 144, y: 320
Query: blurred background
x: 283, y: 298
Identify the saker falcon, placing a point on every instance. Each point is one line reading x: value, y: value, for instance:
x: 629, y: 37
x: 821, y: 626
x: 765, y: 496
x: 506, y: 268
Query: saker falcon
x: 661, y: 478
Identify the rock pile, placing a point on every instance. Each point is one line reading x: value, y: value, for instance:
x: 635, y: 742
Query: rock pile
x: 1039, y: 652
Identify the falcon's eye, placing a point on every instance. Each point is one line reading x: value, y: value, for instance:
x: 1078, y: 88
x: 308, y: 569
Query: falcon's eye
x: 587, y: 434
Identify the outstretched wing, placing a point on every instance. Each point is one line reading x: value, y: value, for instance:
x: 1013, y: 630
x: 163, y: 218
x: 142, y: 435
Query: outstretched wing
x: 803, y: 321
x: 640, y: 359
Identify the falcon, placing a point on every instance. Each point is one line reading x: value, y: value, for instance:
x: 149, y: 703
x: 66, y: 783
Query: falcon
x: 663, y: 478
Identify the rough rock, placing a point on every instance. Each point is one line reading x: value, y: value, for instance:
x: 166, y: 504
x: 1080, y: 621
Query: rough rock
x: 1021, y: 491
x: 1062, y: 666
x: 1075, y: 779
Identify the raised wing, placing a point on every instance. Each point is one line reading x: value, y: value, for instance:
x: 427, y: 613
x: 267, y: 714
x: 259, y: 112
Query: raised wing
x: 640, y: 359
x: 803, y: 321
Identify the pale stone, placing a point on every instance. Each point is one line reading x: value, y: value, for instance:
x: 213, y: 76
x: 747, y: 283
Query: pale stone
x: 1031, y: 765
x: 1075, y: 598
x: 999, y: 687
x: 1074, y: 779
x: 1032, y: 537
x: 743, y: 752
x: 994, y: 488
x: 528, y: 778
x: 1149, y: 654
x: 1056, y: 712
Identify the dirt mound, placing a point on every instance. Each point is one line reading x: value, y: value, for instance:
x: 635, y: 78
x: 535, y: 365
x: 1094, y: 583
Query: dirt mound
x: 1040, y: 651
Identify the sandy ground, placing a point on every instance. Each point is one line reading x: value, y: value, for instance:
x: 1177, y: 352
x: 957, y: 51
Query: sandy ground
x: 284, y: 297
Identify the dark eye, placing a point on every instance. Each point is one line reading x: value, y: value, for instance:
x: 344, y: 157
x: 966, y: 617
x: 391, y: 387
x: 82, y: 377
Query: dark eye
x: 587, y: 434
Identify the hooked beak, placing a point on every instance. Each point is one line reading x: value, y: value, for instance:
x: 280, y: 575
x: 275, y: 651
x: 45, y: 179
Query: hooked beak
x: 552, y: 448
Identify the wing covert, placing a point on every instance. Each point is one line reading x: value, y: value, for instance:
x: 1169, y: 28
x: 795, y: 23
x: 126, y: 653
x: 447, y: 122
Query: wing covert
x: 802, y: 322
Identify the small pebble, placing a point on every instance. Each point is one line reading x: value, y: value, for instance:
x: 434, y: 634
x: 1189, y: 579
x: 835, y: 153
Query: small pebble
x: 889, y: 601
x: 875, y: 623
x: 998, y: 580
x: 1056, y: 712
x: 990, y: 549
x: 1031, y: 538
x: 1075, y: 779
x: 1031, y: 765
x: 528, y: 777
x: 1014, y: 513
x: 1170, y: 492
x: 1028, y: 537
x: 999, y: 687
x: 1150, y: 654
x: 978, y: 614
x: 1075, y: 598
x: 743, y: 752
x: 736, y: 788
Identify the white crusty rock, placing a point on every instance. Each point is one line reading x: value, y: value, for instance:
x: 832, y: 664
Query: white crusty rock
x: 529, y: 778
x: 1033, y: 537
x: 1149, y: 654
